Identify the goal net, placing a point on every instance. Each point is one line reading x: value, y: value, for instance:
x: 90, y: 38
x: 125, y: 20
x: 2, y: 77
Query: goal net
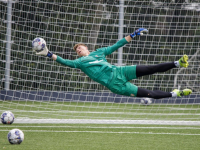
x: 36, y: 87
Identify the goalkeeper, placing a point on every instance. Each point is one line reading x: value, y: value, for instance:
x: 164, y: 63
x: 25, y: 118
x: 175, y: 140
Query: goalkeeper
x: 115, y: 78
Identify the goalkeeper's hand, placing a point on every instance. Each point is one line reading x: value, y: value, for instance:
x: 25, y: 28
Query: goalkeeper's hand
x: 45, y: 52
x: 138, y: 32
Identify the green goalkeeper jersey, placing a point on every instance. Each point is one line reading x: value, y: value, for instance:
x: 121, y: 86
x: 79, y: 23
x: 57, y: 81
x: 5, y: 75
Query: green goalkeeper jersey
x: 95, y: 64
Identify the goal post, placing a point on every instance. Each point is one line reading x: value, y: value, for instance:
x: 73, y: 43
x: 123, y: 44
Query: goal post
x: 40, y: 88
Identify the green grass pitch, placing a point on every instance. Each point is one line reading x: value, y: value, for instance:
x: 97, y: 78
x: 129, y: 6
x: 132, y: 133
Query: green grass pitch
x: 80, y: 136
x: 102, y: 137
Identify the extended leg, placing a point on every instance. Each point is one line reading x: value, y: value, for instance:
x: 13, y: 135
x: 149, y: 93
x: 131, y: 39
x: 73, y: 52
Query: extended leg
x: 153, y: 94
x: 157, y: 94
x: 142, y: 70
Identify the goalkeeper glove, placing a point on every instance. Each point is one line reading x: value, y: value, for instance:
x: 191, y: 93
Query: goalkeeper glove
x: 138, y: 32
x: 45, y: 52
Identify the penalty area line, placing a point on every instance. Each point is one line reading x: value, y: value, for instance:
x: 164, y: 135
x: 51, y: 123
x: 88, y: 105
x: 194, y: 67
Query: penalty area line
x: 103, y: 121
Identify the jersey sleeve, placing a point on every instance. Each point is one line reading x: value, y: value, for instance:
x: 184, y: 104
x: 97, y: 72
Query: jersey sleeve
x: 66, y: 62
x: 110, y: 49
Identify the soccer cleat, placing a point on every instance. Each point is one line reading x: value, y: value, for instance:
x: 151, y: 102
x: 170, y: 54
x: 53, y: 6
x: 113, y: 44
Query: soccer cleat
x: 184, y: 92
x: 183, y: 61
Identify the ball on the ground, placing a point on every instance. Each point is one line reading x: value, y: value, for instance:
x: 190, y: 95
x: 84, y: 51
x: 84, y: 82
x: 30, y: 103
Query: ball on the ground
x: 7, y: 117
x: 146, y: 101
x: 38, y: 44
x: 15, y: 136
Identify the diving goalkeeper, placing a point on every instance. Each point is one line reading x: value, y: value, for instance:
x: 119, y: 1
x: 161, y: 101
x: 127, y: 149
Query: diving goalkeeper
x: 115, y: 78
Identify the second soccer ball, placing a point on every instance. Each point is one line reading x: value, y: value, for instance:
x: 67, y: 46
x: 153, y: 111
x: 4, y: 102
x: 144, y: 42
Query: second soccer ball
x: 7, y: 117
x: 146, y: 101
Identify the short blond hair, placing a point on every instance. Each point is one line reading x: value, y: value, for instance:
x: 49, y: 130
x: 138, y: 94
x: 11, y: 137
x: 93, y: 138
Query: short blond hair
x: 75, y: 46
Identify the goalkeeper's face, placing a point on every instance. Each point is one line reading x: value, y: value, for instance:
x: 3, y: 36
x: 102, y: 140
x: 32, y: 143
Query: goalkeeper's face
x: 82, y: 51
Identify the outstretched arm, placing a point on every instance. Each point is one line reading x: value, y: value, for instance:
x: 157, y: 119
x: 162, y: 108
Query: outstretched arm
x: 124, y: 41
x: 66, y: 62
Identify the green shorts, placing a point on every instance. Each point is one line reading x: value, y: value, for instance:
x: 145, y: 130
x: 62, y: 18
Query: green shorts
x: 119, y: 83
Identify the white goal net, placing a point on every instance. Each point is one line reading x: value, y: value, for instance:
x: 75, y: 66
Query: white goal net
x: 36, y: 87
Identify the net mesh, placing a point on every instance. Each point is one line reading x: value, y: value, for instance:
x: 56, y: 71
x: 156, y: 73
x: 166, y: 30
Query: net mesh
x: 38, y: 85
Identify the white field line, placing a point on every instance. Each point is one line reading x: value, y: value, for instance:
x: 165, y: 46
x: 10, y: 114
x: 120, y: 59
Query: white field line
x: 107, y: 107
x: 103, y: 121
x: 93, y: 112
x: 105, y: 132
x: 110, y: 127
x: 108, y: 118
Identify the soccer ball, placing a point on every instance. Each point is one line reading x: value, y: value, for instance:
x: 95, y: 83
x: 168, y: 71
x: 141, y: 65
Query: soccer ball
x: 146, y: 101
x: 38, y: 44
x: 7, y: 117
x: 15, y: 136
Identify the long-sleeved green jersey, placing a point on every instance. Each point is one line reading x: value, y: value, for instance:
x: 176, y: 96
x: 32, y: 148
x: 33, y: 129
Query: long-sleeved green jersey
x: 95, y: 64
